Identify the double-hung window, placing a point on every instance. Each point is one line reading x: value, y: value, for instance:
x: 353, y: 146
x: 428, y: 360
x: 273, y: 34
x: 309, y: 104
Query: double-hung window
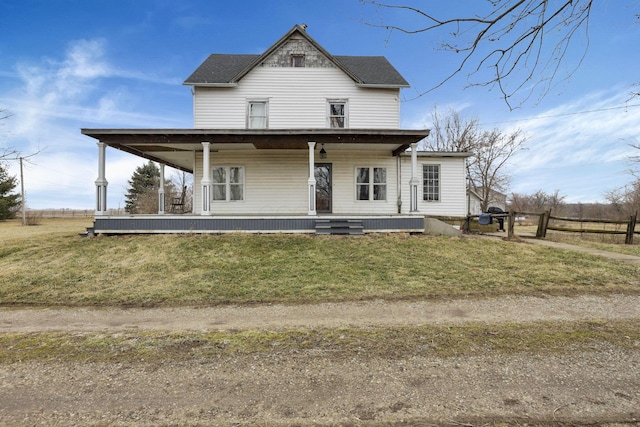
x: 371, y: 183
x: 257, y: 114
x: 337, y: 113
x: 228, y: 183
x: 431, y: 183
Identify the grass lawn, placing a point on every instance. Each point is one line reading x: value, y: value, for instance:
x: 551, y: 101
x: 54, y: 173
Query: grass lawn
x: 541, y: 338
x: 51, y: 265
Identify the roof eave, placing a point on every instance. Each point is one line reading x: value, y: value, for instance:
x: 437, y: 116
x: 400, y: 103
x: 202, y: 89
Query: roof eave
x: 382, y: 86
x: 442, y: 154
x: 210, y: 84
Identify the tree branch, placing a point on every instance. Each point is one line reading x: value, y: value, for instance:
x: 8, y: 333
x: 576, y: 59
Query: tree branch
x: 510, y: 40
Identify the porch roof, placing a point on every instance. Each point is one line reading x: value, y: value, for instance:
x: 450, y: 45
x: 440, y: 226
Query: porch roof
x: 174, y: 147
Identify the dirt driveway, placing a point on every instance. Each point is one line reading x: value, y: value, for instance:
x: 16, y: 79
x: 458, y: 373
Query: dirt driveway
x: 289, y: 387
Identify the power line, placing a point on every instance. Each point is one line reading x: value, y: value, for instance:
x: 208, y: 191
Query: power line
x: 551, y: 116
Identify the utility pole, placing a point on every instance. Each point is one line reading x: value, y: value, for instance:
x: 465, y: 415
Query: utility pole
x: 24, y: 201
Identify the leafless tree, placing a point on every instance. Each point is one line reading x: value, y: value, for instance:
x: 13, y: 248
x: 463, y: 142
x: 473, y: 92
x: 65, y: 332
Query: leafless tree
x: 491, y: 150
x: 521, y: 43
x: 451, y: 132
x: 626, y: 200
x: 537, y: 202
x: 4, y: 151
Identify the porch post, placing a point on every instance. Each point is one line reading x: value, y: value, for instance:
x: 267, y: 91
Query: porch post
x: 415, y: 181
x: 101, y: 182
x: 161, y: 191
x: 312, y: 179
x: 206, y: 180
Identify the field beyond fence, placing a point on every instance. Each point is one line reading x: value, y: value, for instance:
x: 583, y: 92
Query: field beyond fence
x: 67, y: 213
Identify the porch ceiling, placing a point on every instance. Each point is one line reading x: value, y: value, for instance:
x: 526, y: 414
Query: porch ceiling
x: 174, y: 147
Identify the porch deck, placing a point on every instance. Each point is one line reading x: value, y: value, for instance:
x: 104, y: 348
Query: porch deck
x: 187, y: 223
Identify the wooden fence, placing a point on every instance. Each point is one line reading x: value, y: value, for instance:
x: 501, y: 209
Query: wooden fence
x: 546, y: 217
x: 548, y: 222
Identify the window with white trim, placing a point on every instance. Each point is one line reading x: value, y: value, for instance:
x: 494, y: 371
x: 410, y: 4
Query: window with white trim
x: 431, y: 183
x: 257, y: 114
x: 227, y: 183
x: 371, y: 183
x: 337, y: 113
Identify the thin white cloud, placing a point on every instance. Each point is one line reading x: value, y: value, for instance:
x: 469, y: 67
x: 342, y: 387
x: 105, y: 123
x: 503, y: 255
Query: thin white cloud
x: 51, y: 99
x: 585, y: 154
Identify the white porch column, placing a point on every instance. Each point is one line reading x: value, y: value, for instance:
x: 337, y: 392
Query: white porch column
x: 415, y: 181
x: 161, y: 191
x: 101, y: 182
x: 206, y: 179
x: 312, y: 179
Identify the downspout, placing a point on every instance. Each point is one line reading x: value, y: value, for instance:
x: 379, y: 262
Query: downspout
x: 399, y: 182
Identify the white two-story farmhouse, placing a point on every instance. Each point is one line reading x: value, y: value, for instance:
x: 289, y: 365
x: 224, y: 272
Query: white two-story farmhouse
x: 292, y: 140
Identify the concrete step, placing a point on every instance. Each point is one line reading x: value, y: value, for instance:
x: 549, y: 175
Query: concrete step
x: 339, y: 226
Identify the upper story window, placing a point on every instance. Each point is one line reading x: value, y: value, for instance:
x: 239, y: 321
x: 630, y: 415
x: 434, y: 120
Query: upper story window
x: 431, y: 183
x: 257, y: 114
x: 371, y: 183
x: 337, y: 113
x: 227, y: 183
x: 297, y: 60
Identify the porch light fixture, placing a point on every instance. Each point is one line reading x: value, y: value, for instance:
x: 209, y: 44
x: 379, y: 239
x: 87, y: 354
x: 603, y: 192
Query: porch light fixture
x: 323, y: 152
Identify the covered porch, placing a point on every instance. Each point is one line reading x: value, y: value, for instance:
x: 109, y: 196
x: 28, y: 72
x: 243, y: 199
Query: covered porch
x: 280, y: 187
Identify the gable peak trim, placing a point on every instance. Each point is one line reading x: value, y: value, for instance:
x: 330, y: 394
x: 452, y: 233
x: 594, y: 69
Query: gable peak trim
x: 296, y: 30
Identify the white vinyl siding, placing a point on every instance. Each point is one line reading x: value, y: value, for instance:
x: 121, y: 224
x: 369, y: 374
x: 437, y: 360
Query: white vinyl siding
x: 275, y: 182
x: 452, y: 186
x: 297, y: 99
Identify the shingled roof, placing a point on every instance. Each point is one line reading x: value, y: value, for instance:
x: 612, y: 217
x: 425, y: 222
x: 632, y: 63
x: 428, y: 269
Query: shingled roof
x: 228, y: 69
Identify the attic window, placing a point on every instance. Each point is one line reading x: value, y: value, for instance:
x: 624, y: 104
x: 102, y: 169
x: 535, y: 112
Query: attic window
x: 297, y: 60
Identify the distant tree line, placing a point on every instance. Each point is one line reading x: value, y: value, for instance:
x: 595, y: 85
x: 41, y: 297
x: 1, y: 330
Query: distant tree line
x: 626, y: 204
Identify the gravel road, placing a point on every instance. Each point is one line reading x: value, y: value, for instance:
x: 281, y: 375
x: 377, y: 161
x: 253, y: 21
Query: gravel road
x: 303, y: 388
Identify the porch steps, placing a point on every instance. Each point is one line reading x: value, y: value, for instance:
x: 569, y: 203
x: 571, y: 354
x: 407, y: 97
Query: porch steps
x: 336, y: 226
x: 91, y: 231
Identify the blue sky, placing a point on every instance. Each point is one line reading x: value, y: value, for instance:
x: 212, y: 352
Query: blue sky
x: 67, y: 64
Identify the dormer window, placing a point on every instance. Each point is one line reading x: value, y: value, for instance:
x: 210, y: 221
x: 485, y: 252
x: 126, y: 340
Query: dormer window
x: 297, y: 60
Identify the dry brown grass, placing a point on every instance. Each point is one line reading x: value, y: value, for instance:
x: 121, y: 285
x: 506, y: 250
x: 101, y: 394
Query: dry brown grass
x: 13, y: 229
x: 51, y: 265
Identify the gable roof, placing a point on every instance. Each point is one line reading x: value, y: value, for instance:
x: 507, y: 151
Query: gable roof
x: 228, y: 69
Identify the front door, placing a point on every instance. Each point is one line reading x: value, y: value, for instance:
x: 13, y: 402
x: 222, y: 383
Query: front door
x: 323, y: 187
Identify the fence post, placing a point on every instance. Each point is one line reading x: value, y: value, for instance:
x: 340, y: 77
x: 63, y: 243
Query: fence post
x: 510, y: 226
x: 540, y: 225
x: 631, y: 229
x: 543, y: 223
x: 546, y: 223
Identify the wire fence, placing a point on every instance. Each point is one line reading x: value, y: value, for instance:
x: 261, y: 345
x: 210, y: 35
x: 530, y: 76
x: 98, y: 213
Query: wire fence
x: 69, y: 213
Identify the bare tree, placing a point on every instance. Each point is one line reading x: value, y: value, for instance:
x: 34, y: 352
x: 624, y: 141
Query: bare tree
x: 492, y: 150
x: 537, y: 202
x: 5, y: 152
x: 626, y: 200
x: 522, y: 44
x: 451, y: 132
